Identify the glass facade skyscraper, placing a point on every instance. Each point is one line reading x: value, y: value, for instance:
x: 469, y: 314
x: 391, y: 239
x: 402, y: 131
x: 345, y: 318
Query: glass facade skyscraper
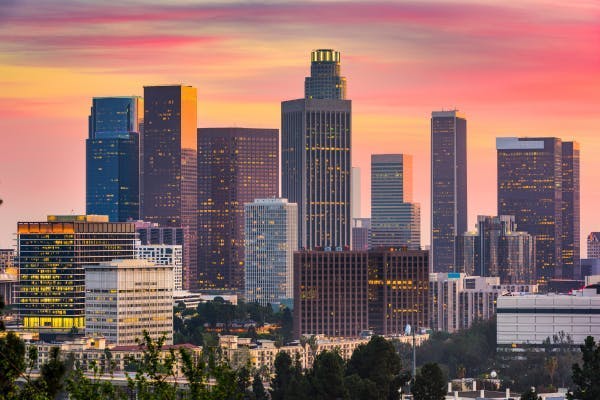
x: 271, y: 239
x: 316, y: 159
x: 235, y: 166
x: 169, y: 182
x: 538, y: 183
x: 325, y: 80
x: 112, y: 158
x: 395, y: 220
x: 52, y: 257
x: 448, y: 187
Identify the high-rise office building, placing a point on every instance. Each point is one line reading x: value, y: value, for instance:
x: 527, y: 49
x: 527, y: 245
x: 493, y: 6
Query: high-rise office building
x: 593, y: 245
x: 152, y: 233
x: 448, y: 187
x: 235, y: 166
x: 164, y: 254
x: 271, y: 239
x: 361, y: 233
x: 124, y: 298
x: 169, y: 182
x: 538, y: 183
x: 112, y: 157
x: 395, y: 220
x: 7, y: 259
x: 316, y: 158
x: 356, y: 193
x: 52, y: 257
x: 571, y: 235
x: 497, y: 249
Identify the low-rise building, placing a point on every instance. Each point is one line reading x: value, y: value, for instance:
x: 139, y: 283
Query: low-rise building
x: 528, y: 320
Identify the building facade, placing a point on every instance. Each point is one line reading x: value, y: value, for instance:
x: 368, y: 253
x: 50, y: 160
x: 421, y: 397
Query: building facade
x: 325, y: 80
x: 112, y: 158
x: 7, y: 259
x: 361, y: 233
x: 124, y: 298
x: 538, y: 183
x: 52, y: 260
x: 356, y: 193
x: 343, y: 293
x: 395, y: 219
x: 457, y: 300
x: 497, y: 249
x: 164, y: 254
x: 316, y: 157
x: 448, y: 187
x: 593, y: 245
x: 235, y: 166
x: 270, y: 241
x: 169, y: 184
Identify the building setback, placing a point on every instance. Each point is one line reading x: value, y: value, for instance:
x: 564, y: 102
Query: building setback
x: 164, y: 254
x: 235, y: 166
x: 538, y: 183
x: 271, y: 239
x: 342, y: 293
x: 52, y: 260
x: 448, y: 187
x: 112, y: 158
x: 169, y: 184
x: 316, y: 157
x: 124, y: 298
x: 395, y: 220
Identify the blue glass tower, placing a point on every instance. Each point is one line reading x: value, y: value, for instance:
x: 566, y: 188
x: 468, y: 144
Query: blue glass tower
x: 112, y: 158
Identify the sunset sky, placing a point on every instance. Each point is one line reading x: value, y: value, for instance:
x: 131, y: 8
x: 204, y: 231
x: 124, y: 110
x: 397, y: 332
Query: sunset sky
x: 515, y: 68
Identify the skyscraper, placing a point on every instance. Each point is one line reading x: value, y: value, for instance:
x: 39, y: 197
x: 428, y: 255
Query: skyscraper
x: 169, y: 183
x: 235, y: 166
x: 356, y: 193
x: 530, y: 187
x: 448, y: 186
x: 395, y: 220
x: 571, y: 234
x: 593, y: 245
x: 112, y: 157
x: 52, y: 257
x: 361, y: 233
x: 271, y: 239
x: 316, y: 157
x: 497, y: 249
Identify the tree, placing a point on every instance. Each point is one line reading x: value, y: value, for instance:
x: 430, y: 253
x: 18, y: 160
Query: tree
x: 52, y: 373
x: 12, y: 363
x: 430, y: 383
x: 258, y: 388
x: 283, y: 375
x: 327, y: 376
x: 585, y: 377
x: 530, y: 395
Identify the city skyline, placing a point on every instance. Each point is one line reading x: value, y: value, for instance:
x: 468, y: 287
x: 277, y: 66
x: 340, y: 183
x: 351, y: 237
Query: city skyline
x: 48, y: 100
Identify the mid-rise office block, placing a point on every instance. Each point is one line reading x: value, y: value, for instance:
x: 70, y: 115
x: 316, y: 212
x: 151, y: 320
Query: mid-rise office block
x: 395, y: 220
x: 538, y: 183
x: 448, y: 187
x: 316, y: 159
x: 271, y: 239
x: 52, y: 257
x: 342, y: 293
x: 164, y: 254
x: 361, y: 233
x: 112, y: 158
x: 398, y: 290
x: 331, y: 293
x: 235, y: 166
x: 169, y: 184
x: 593, y: 245
x: 497, y: 249
x: 124, y: 298
x: 7, y: 259
x: 457, y: 300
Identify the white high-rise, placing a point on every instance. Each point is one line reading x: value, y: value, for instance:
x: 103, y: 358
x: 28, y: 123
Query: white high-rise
x: 270, y: 241
x: 164, y: 254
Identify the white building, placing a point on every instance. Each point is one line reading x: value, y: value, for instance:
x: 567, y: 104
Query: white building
x: 270, y: 241
x: 457, y: 299
x: 164, y: 254
x: 529, y: 320
x: 125, y: 297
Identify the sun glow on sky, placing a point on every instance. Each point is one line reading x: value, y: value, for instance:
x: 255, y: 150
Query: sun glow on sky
x: 527, y: 68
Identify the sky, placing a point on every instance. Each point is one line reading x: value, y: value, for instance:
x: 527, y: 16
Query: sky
x: 515, y: 68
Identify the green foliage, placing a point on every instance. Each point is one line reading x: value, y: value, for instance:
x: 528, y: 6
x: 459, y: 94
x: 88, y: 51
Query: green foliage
x: 430, y: 383
x: 327, y: 376
x: 258, y: 389
x: 587, y: 376
x: 12, y: 363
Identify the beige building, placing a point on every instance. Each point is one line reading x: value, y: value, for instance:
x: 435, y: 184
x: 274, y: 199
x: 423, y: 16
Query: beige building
x: 123, y: 298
